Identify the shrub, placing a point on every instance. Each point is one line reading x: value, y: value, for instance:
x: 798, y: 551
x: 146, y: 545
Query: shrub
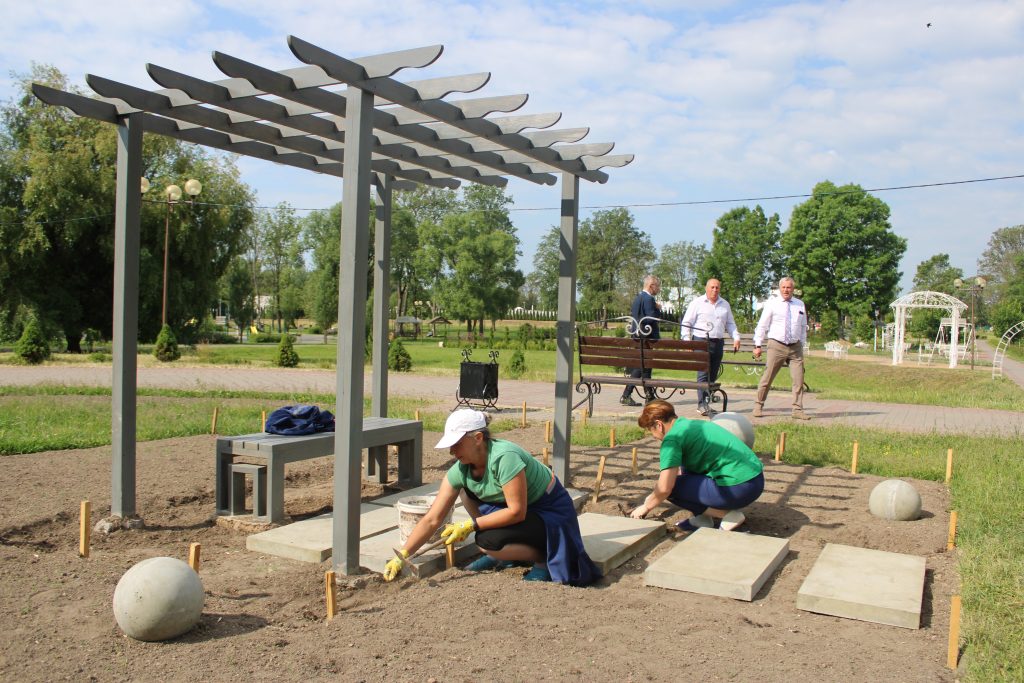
x: 166, y: 348
x: 286, y: 356
x: 265, y: 338
x: 399, y: 359
x: 32, y: 346
x: 517, y: 365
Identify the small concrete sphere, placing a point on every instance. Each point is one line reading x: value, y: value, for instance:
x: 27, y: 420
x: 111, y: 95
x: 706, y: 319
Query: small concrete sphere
x: 158, y: 599
x: 896, y: 500
x: 738, y: 424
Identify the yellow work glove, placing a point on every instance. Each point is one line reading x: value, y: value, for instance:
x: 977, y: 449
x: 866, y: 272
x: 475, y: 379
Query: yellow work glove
x: 394, y: 566
x: 456, y: 533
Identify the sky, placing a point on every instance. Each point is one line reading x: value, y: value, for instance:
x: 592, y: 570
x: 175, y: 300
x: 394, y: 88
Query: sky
x: 718, y: 100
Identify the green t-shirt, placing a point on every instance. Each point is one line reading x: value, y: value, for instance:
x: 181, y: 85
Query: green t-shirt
x: 702, y: 447
x: 504, y: 461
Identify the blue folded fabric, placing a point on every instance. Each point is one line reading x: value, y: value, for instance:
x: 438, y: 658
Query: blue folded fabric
x: 299, y: 420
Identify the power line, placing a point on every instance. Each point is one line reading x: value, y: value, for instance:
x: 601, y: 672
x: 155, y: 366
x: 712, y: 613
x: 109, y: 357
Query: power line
x: 695, y: 202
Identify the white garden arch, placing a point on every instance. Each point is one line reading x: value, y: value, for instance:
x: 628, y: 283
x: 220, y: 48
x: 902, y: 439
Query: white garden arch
x: 1004, y: 341
x: 939, y: 300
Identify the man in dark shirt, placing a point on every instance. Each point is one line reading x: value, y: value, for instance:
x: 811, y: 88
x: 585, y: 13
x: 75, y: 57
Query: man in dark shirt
x: 644, y: 306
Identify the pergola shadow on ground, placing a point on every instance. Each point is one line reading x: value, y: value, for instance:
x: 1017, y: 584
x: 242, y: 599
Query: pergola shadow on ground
x: 351, y: 119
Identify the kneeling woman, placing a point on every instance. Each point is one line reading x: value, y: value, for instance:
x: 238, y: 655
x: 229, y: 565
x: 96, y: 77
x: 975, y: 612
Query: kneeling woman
x: 705, y: 469
x: 519, y: 510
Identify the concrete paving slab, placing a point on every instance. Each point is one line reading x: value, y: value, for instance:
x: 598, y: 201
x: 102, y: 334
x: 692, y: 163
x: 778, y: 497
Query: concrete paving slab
x: 374, y: 552
x: 310, y: 540
x: 611, y: 540
x: 722, y: 563
x: 869, y: 585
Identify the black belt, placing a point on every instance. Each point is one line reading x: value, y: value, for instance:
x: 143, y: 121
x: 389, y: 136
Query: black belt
x: 784, y: 343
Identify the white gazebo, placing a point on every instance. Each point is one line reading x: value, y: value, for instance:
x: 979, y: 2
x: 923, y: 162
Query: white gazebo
x: 938, y: 300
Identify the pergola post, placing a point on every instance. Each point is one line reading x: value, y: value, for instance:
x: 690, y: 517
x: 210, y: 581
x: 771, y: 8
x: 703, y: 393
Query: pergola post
x: 355, y: 244
x: 565, y: 335
x: 954, y: 337
x: 381, y: 296
x: 127, y: 206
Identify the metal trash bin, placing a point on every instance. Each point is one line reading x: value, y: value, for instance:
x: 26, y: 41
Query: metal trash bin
x: 478, y: 382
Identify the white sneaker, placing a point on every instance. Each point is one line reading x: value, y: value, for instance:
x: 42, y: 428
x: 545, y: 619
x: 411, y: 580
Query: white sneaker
x: 731, y: 520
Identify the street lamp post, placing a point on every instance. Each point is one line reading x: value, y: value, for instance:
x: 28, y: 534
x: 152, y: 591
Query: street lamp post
x: 975, y: 289
x: 172, y: 195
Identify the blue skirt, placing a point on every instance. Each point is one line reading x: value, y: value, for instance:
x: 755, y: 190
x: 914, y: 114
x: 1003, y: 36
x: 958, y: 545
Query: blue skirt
x: 567, y: 559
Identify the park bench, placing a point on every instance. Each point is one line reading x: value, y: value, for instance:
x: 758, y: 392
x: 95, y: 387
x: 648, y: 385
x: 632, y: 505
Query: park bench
x: 623, y: 353
x: 272, y: 452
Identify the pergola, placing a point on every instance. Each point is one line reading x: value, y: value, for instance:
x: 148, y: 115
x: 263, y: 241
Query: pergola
x: 351, y: 119
x: 925, y: 299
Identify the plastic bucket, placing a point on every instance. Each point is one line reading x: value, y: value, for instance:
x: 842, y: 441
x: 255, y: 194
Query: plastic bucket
x: 411, y: 510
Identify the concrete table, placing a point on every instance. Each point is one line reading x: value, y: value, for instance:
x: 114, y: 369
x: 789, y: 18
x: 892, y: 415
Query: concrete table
x: 277, y: 451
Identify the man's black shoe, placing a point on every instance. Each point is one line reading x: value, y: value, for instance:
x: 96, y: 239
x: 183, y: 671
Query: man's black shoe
x: 628, y: 401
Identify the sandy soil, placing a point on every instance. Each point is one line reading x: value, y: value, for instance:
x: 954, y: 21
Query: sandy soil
x: 264, y: 616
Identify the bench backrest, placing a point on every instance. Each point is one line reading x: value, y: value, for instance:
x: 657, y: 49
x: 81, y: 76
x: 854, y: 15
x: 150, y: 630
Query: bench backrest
x: 659, y: 354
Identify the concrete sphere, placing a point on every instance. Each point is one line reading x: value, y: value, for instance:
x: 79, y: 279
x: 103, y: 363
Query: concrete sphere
x: 895, y: 499
x: 738, y: 424
x: 158, y: 599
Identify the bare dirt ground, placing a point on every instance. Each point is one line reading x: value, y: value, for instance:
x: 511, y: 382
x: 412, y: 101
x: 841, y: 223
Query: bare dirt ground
x: 264, y: 616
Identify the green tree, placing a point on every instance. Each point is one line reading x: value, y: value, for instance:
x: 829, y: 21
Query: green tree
x: 166, y: 347
x: 58, y: 180
x: 399, y: 359
x: 543, y: 281
x: 413, y: 275
x: 999, y: 261
x: 32, y: 347
x: 473, y: 255
x: 286, y: 357
x: 679, y: 265
x: 280, y: 247
x: 842, y: 252
x: 614, y: 255
x: 237, y: 289
x: 935, y: 274
x: 321, y: 233
x: 745, y: 256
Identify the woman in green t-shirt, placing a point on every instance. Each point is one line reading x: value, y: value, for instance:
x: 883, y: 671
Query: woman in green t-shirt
x: 705, y: 469
x: 518, y: 509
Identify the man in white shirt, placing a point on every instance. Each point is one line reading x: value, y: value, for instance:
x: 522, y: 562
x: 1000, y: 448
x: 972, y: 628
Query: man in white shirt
x: 784, y: 324
x: 710, y: 317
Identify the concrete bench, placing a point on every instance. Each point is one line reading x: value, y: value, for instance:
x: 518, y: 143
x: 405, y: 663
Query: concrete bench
x: 276, y: 451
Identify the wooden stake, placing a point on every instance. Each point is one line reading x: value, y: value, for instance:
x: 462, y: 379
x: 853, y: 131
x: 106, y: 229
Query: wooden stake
x: 193, y: 556
x: 263, y: 421
x: 611, y: 438
x: 953, y: 653
x: 778, y: 451
x: 583, y: 414
x: 547, y: 432
x: 332, y: 594
x: 949, y: 465
x: 951, y: 541
x: 449, y: 556
x: 853, y: 465
x: 213, y: 425
x: 524, y: 414
x: 635, y: 470
x: 416, y: 415
x: 84, y: 529
x: 600, y: 476
x: 544, y: 456
x: 782, y: 444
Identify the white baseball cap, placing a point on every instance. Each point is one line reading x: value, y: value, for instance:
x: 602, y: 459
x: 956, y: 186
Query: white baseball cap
x: 460, y: 423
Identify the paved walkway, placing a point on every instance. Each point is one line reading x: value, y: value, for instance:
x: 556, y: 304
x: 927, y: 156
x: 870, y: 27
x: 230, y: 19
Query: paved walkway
x: 539, y: 396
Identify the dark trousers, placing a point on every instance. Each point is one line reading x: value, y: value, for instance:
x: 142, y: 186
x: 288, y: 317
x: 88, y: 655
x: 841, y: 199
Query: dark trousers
x: 717, y: 348
x: 637, y: 373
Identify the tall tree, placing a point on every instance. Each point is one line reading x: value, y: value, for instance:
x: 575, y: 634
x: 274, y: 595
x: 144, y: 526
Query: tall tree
x: 475, y: 254
x: 411, y: 275
x: 746, y: 256
x: 279, y: 236
x: 543, y: 281
x: 614, y: 255
x: 679, y: 265
x: 59, y: 183
x: 999, y: 260
x: 842, y: 251
x: 237, y: 289
x: 321, y: 233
